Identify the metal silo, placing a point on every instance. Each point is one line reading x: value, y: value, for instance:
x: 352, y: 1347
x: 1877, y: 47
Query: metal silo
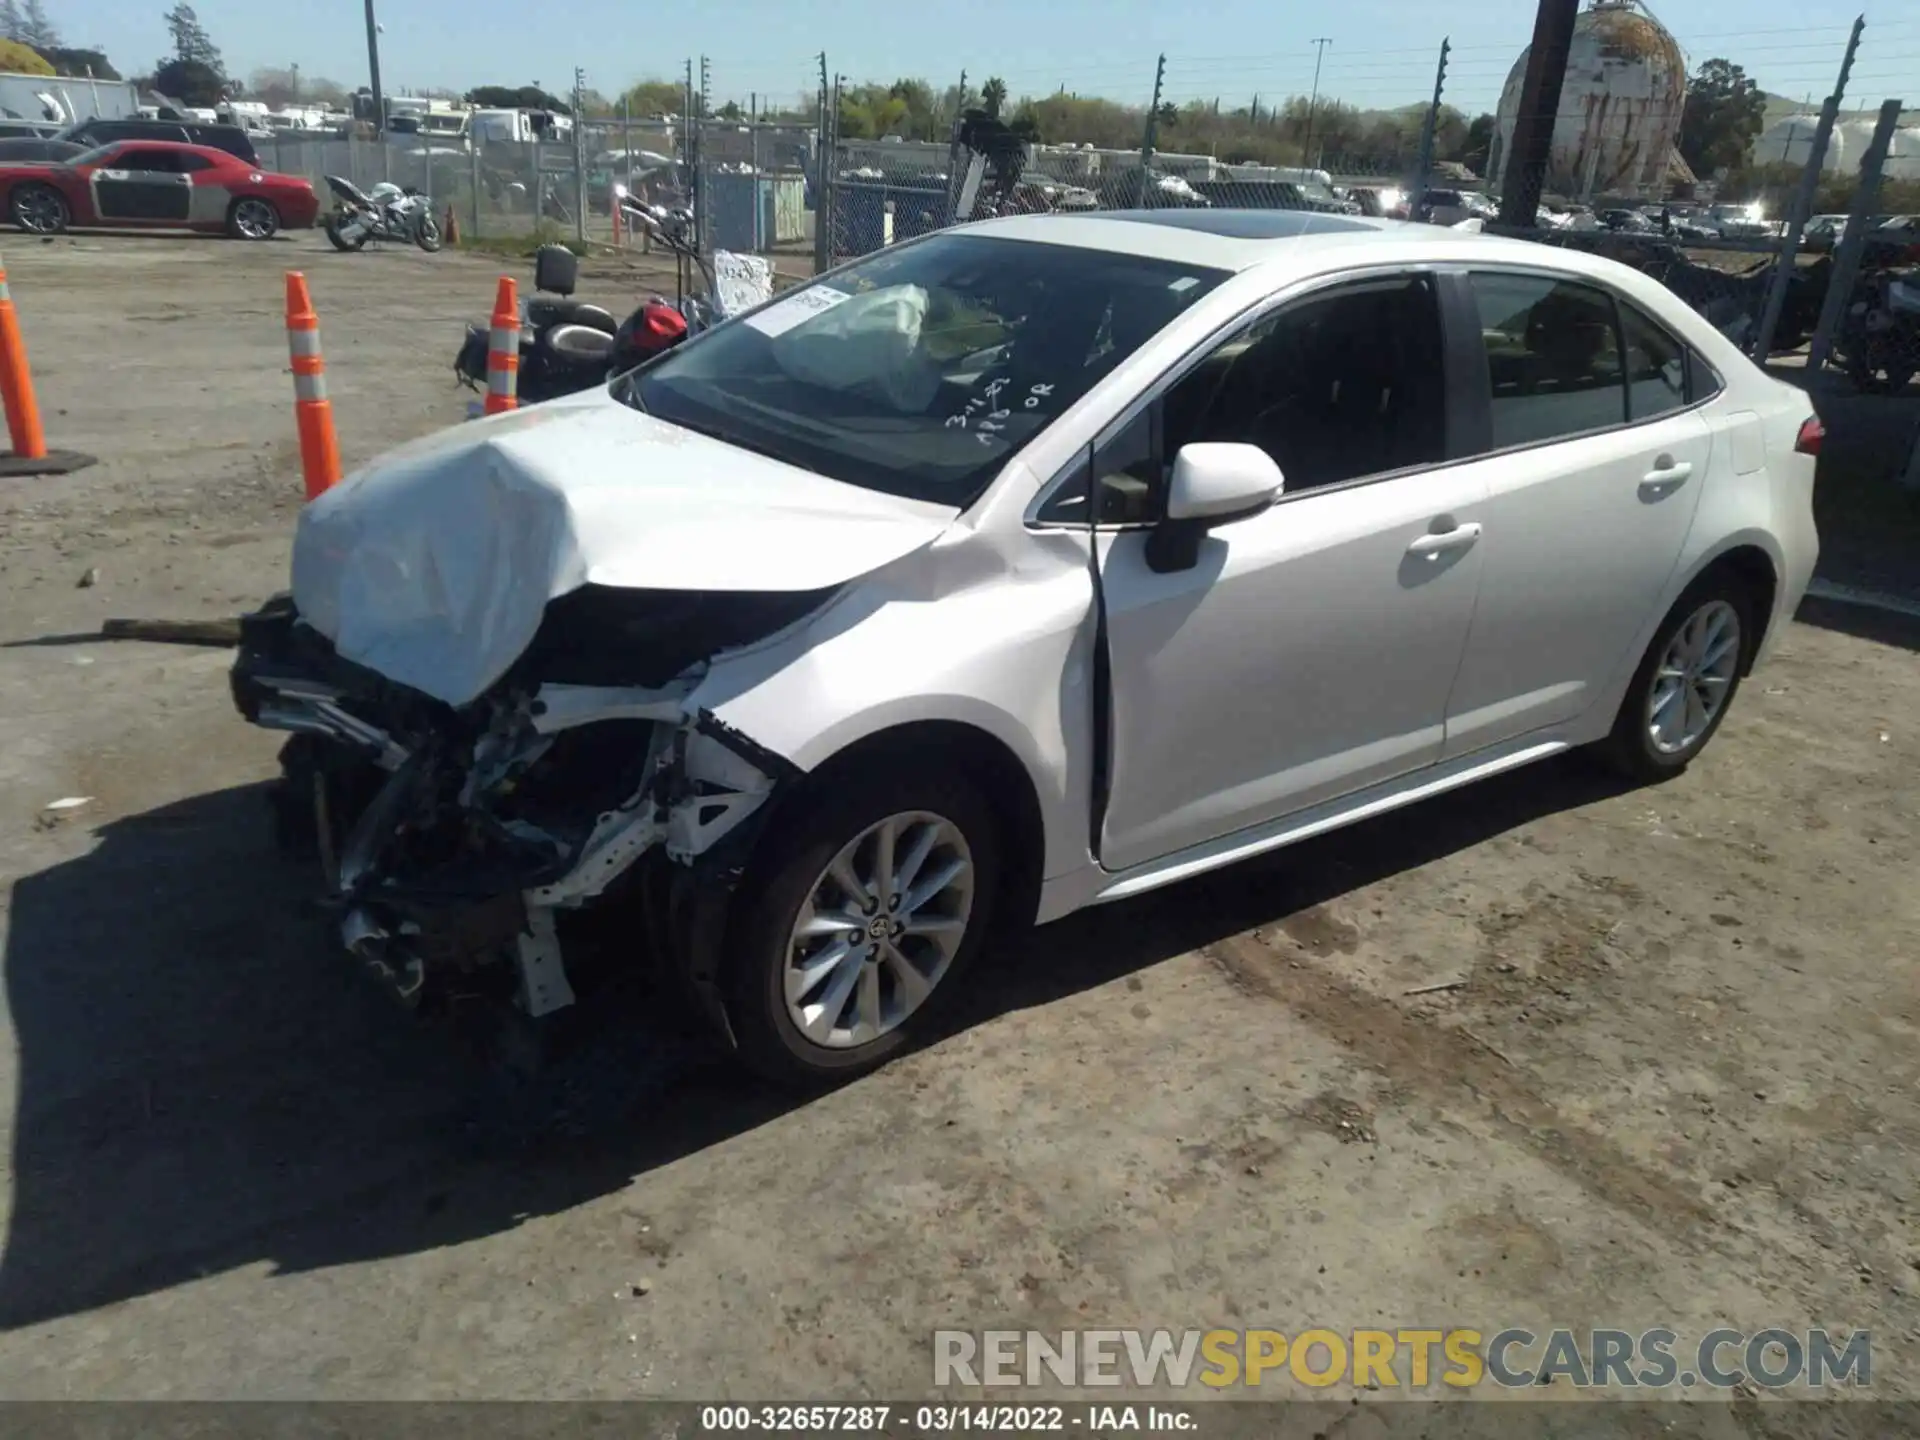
x: 1619, y: 115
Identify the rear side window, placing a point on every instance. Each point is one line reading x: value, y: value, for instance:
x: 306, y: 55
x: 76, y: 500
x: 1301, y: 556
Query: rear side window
x: 1553, y: 358
x: 1656, y: 367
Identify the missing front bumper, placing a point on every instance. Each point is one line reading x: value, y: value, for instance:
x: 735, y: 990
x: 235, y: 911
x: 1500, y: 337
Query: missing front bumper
x: 453, y: 839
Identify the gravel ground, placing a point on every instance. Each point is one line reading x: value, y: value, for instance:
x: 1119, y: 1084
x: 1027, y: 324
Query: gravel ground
x: 1541, y: 1053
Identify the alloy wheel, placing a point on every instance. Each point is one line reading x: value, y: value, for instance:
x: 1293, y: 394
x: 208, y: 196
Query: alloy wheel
x: 41, y: 211
x: 879, y: 929
x: 255, y: 219
x: 1693, y: 679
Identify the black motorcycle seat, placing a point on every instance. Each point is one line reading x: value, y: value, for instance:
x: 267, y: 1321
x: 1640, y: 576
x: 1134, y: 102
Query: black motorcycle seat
x: 542, y: 314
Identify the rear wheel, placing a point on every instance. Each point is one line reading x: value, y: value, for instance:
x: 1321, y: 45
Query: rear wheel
x: 1685, y: 682
x: 334, y: 226
x: 252, y: 218
x: 40, y: 210
x: 870, y: 901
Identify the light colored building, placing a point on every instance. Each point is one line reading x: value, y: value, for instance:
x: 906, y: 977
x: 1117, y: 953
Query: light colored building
x: 1790, y: 142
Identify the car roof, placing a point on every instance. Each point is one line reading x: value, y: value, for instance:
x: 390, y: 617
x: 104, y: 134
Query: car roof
x: 180, y: 145
x: 1238, y: 240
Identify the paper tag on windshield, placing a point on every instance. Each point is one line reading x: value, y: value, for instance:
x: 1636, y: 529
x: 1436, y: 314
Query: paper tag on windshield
x: 796, y: 309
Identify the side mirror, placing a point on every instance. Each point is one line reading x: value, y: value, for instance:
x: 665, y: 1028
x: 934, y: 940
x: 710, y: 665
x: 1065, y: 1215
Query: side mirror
x: 556, y: 270
x: 1212, y: 484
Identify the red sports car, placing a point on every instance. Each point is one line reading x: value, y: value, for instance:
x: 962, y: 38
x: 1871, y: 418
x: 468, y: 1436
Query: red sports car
x: 156, y: 185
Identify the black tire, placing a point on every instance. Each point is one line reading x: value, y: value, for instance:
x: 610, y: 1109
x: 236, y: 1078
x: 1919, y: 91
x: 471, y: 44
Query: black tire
x: 810, y: 829
x: 426, y: 234
x: 252, y: 217
x: 1630, y: 749
x: 53, y: 214
x: 332, y: 226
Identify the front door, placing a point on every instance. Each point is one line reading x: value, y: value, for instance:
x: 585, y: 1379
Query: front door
x: 1310, y: 651
x: 142, y: 185
x: 1597, y: 466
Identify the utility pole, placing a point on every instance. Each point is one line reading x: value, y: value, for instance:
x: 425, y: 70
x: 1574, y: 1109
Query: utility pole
x: 1531, y: 148
x: 579, y: 154
x: 822, y: 196
x: 1320, y: 53
x: 703, y: 108
x: 1417, y: 192
x: 960, y: 97
x: 373, y: 74
x: 1153, y: 130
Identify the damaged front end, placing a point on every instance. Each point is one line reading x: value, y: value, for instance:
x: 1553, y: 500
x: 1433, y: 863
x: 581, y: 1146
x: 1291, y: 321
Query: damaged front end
x: 455, y: 839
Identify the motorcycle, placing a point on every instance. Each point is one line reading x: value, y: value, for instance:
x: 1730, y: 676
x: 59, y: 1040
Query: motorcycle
x: 405, y: 216
x: 569, y: 345
x: 1878, y: 344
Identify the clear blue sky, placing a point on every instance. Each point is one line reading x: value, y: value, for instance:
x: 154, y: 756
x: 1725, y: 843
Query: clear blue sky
x: 1382, y: 51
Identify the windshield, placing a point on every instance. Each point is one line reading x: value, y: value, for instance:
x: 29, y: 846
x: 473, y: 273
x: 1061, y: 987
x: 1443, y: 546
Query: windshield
x: 920, y: 371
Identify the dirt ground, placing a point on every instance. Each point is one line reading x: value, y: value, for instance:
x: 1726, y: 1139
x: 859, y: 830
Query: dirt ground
x: 1665, y: 1069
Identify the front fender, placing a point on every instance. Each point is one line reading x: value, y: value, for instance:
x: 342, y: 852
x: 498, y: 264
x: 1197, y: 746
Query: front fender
x: 960, y: 632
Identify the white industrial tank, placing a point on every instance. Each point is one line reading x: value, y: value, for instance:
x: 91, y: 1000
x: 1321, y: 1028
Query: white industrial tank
x: 1790, y: 142
x: 1619, y: 112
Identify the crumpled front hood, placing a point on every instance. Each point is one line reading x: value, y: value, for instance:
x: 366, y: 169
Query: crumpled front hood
x: 434, y: 564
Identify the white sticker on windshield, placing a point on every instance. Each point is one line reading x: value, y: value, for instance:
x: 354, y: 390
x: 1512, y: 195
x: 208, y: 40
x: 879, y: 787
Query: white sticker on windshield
x: 1183, y: 284
x: 796, y: 309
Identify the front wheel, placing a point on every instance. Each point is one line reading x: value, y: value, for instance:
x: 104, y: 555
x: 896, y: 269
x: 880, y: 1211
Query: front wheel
x: 40, y: 210
x: 252, y: 218
x: 426, y: 234
x: 871, y: 897
x: 1685, y: 682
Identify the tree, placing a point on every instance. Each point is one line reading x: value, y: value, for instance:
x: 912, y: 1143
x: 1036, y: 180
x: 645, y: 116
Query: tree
x: 79, y: 61
x: 515, y: 97
x: 1475, y: 147
x: 191, y: 41
x: 1724, y: 113
x: 190, y: 82
x: 993, y: 95
x: 21, y: 60
x: 35, y: 28
x: 656, y: 97
x: 731, y: 111
x: 12, y: 24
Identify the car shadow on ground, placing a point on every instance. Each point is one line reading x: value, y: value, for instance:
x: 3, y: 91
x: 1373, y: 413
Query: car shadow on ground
x: 204, y: 1083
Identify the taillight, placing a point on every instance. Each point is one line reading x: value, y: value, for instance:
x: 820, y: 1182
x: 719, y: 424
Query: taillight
x: 1812, y: 432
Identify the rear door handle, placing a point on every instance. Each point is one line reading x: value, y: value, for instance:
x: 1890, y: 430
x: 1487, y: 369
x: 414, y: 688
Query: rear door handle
x: 1458, y: 538
x: 1667, y: 475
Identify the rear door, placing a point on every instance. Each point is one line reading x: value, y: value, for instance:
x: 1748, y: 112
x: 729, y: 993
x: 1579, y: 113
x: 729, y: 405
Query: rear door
x: 142, y: 185
x: 1596, y: 459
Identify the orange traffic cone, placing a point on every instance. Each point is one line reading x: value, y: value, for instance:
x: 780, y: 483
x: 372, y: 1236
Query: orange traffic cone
x: 503, y: 349
x: 312, y: 412
x: 30, y: 454
x: 450, y: 232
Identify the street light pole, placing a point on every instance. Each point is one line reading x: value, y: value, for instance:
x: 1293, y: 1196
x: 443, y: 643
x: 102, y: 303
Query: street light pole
x: 1320, y: 53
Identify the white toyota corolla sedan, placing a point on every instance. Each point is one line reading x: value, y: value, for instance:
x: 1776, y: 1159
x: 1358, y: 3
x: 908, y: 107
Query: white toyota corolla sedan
x: 1011, y: 570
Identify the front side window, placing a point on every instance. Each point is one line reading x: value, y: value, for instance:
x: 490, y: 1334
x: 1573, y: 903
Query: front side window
x: 920, y: 371
x: 1553, y: 358
x: 152, y: 162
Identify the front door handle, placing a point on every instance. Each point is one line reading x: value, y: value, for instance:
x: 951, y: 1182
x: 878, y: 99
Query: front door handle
x: 1435, y: 545
x: 1666, y: 476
